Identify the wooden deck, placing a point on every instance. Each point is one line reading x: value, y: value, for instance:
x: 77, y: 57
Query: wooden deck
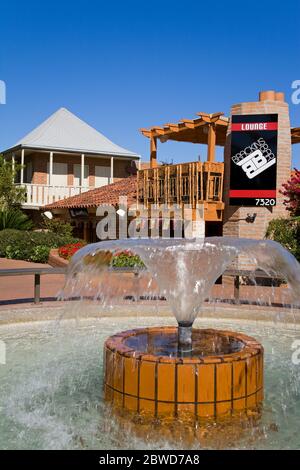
x: 186, y: 183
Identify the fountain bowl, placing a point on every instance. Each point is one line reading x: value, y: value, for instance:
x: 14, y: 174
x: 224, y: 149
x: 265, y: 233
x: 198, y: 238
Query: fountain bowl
x: 146, y: 373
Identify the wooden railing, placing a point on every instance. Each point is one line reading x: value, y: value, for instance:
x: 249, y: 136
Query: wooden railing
x: 41, y: 194
x: 185, y: 183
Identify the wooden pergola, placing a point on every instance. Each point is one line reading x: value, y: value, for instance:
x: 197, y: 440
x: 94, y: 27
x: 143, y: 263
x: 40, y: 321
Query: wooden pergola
x: 186, y: 183
x: 295, y: 135
x: 209, y: 129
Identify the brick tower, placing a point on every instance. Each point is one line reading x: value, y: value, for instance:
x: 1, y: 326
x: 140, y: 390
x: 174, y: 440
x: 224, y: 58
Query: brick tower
x: 234, y: 224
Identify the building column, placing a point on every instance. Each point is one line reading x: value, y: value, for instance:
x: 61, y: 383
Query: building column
x: 211, y: 143
x: 22, y: 166
x: 50, y: 168
x: 153, y: 152
x: 111, y: 170
x: 82, y: 170
x: 13, y: 165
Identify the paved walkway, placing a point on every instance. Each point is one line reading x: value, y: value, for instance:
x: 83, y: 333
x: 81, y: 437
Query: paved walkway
x: 19, y: 289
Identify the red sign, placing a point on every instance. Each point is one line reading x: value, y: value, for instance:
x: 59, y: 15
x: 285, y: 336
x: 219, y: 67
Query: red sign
x: 254, y: 126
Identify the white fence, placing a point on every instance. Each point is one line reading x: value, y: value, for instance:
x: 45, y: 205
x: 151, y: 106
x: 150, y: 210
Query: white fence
x: 40, y: 194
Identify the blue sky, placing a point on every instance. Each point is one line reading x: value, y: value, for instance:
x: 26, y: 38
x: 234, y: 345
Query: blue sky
x: 125, y: 65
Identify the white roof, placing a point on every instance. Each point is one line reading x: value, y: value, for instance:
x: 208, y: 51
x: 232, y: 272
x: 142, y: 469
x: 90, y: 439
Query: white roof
x: 66, y: 132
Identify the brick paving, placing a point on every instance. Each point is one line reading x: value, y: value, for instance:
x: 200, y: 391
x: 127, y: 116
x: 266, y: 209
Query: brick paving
x: 20, y: 289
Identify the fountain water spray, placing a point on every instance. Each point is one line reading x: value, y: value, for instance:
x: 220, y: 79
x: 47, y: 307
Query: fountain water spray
x: 186, y: 270
x: 210, y: 372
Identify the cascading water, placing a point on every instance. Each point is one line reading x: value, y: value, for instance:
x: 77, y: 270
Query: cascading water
x: 186, y: 270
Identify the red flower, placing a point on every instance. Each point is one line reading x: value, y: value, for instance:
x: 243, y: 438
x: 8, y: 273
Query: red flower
x: 67, y: 251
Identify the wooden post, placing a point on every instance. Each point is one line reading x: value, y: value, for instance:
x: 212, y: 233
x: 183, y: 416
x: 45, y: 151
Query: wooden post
x: 155, y: 186
x: 153, y: 152
x: 201, y: 182
x: 179, y: 189
x: 211, y: 143
x: 196, y: 183
x: 207, y: 195
x: 146, y: 194
x: 22, y: 167
x: 138, y: 189
x: 166, y: 185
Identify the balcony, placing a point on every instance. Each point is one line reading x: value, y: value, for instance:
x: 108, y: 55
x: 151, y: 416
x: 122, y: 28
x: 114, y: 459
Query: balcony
x: 186, y: 183
x: 38, y: 195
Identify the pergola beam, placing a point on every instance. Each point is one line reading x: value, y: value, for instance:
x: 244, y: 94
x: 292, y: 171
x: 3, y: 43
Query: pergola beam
x: 295, y: 135
x: 185, y: 125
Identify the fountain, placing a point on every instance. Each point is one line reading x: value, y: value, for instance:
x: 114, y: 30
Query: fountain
x: 179, y: 372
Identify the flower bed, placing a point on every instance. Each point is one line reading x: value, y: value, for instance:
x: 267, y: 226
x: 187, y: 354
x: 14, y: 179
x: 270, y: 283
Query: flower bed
x: 121, y: 259
x: 67, y: 251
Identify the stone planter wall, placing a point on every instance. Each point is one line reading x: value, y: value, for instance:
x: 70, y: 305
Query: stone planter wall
x: 55, y: 260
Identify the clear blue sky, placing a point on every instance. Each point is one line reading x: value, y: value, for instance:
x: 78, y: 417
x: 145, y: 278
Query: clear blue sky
x: 122, y: 65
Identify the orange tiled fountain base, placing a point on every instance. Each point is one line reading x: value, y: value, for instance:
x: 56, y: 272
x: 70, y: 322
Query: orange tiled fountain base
x: 141, y: 377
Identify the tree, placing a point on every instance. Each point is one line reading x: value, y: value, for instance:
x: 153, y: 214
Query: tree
x: 291, y: 191
x: 11, y: 195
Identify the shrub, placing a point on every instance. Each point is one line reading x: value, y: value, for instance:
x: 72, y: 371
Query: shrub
x: 291, y: 191
x: 67, y: 251
x: 15, y: 219
x: 40, y: 254
x: 126, y: 259
x: 30, y: 246
x: 286, y: 232
x: 57, y: 226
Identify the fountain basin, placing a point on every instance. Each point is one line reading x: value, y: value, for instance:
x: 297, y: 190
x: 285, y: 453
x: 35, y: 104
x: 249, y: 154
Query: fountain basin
x: 145, y: 373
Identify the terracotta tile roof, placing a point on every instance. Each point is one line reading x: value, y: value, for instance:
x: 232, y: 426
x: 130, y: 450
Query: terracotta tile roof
x: 108, y: 194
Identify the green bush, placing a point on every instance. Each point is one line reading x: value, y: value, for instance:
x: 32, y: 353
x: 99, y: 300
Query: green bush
x: 30, y: 246
x: 126, y: 259
x: 286, y: 232
x: 57, y: 226
x: 15, y: 219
